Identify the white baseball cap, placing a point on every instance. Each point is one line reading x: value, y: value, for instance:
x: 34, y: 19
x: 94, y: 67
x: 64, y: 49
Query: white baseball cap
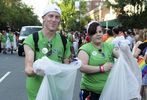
x: 50, y: 8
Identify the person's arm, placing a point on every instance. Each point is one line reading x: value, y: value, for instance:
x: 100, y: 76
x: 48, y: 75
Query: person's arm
x: 136, y: 52
x: 29, y: 59
x: 116, y: 52
x: 83, y: 56
x: 66, y: 61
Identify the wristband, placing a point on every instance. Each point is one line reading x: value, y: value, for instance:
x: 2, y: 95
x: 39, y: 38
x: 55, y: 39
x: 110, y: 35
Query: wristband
x: 102, y: 69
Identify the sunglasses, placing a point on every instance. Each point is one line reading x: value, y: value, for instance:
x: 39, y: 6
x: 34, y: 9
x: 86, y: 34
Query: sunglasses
x: 49, y: 49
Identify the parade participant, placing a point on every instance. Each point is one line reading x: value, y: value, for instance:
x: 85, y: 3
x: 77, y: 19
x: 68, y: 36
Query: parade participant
x: 110, y: 36
x: 10, y: 36
x: 4, y: 39
x: 97, y: 58
x: 119, y: 36
x: 49, y: 39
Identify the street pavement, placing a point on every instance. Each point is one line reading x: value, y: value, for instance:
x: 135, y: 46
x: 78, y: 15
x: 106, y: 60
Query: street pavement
x: 12, y: 78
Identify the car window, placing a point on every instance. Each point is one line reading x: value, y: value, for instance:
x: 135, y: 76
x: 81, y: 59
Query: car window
x: 25, y: 31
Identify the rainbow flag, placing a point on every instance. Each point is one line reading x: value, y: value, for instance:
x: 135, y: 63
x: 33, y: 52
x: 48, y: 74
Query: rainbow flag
x: 142, y: 65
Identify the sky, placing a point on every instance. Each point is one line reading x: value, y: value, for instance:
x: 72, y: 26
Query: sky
x: 38, y: 6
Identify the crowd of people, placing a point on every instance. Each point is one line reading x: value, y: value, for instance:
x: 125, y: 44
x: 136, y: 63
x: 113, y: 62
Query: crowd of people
x: 8, y: 41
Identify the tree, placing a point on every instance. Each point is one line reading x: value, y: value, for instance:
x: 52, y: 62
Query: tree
x: 71, y: 18
x: 134, y: 17
x: 14, y: 14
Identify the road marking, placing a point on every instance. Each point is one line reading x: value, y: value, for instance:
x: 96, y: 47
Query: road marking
x: 1, y: 79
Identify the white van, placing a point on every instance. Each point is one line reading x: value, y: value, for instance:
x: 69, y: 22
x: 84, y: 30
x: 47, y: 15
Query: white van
x: 25, y: 31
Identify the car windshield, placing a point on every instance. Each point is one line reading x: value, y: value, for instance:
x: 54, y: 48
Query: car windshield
x: 29, y: 30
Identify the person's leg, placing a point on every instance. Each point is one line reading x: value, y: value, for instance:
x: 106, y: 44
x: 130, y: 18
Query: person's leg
x: 11, y: 47
x: 4, y: 48
x: 145, y: 92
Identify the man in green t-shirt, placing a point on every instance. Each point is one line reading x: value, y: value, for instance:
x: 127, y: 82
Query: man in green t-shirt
x: 10, y: 36
x: 48, y: 39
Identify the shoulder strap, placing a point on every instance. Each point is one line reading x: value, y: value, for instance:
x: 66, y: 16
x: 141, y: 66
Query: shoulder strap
x: 64, y: 41
x: 36, y: 38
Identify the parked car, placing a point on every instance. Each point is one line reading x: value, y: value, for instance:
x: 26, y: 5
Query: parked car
x: 25, y: 31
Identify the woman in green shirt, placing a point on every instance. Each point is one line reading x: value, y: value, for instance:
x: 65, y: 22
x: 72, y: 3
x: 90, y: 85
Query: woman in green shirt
x: 97, y: 58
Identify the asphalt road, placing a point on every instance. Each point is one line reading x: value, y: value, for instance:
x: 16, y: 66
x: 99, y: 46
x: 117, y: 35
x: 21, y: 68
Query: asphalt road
x: 12, y: 78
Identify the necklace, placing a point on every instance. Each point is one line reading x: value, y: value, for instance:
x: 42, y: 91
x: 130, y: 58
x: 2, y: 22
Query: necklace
x: 101, y: 52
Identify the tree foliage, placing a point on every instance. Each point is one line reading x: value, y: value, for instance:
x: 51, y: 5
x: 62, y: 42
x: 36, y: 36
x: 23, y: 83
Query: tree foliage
x: 134, y: 18
x: 73, y: 19
x: 15, y: 14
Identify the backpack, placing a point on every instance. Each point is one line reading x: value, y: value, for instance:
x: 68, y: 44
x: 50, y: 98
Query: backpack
x: 36, y: 38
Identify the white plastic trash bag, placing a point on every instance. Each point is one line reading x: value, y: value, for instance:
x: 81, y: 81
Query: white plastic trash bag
x: 14, y: 42
x: 58, y: 82
x: 8, y: 43
x: 124, y: 81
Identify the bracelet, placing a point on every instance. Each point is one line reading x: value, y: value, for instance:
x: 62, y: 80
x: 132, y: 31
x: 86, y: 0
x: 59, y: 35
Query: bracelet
x: 102, y: 69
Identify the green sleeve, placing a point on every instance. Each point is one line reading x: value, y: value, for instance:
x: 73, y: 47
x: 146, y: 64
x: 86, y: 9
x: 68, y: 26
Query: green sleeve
x: 29, y: 41
x: 110, y: 46
x: 85, y: 48
x: 11, y: 37
x: 4, y: 39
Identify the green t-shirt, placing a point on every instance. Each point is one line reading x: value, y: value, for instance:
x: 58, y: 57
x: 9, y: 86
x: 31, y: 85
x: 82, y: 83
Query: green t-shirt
x: 33, y: 83
x: 4, y: 38
x: 70, y: 38
x: 95, y: 82
x: 11, y: 37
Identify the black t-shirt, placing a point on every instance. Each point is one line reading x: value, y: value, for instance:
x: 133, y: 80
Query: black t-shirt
x: 143, y: 48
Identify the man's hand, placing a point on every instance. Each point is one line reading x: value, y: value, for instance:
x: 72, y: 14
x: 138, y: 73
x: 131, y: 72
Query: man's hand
x: 29, y: 71
x: 29, y: 59
x: 66, y: 61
